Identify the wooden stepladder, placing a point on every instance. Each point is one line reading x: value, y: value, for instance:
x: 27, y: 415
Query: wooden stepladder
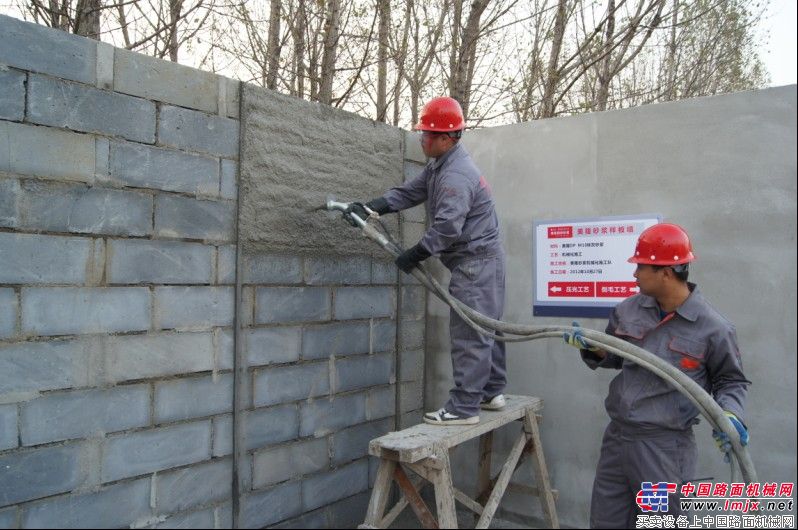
x: 424, y: 450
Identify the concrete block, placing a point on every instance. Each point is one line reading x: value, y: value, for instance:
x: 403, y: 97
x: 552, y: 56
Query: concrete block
x: 142, y: 261
x: 335, y: 339
x: 289, y: 461
x: 195, y: 397
x: 351, y: 373
x: 353, y: 443
x: 381, y: 403
x: 414, y: 302
x: 231, y: 96
x: 105, y: 66
x: 143, y: 166
x: 10, y: 198
x: 228, y: 188
x: 327, y: 488
x: 223, y: 515
x: 291, y: 383
x: 408, y: 419
x: 271, y: 345
x: 412, y: 234
x: 84, y: 413
x: 348, y: 513
x: 323, y: 416
x: 197, y: 519
x: 197, y: 131
x: 9, y: 310
x: 364, y: 302
x: 263, y: 508
x: 60, y: 155
x: 156, y: 79
x: 226, y: 265
x: 412, y: 396
x: 383, y: 335
x: 270, y: 426
x: 314, y: 519
x: 81, y: 108
x: 178, y: 491
x: 28, y: 367
x: 384, y: 272
x: 413, y: 149
x: 412, y: 366
x: 84, y: 210
x: 34, y: 47
x: 8, y: 427
x: 411, y: 335
x: 272, y: 268
x: 34, y: 474
x: 12, y: 95
x: 157, y: 355
x: 130, y: 502
x: 292, y: 304
x: 337, y: 270
x: 8, y: 518
x: 225, y: 348
x: 143, y: 452
x: 194, y: 307
x: 194, y: 219
x: 35, y: 259
x: 69, y: 310
x: 223, y: 435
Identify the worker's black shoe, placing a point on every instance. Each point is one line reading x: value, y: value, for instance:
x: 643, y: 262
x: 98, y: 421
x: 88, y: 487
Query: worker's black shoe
x: 496, y: 403
x: 442, y: 417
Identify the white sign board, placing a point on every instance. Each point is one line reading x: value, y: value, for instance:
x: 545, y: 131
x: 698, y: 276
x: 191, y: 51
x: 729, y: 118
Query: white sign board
x: 580, y: 265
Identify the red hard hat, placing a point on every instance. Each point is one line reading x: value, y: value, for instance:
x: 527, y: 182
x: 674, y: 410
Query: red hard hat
x: 663, y: 244
x: 441, y: 114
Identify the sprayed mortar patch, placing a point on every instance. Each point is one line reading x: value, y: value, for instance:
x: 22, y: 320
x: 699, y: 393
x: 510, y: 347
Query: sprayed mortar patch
x: 296, y: 154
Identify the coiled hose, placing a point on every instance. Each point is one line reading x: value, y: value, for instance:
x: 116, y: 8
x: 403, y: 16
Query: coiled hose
x: 511, y: 332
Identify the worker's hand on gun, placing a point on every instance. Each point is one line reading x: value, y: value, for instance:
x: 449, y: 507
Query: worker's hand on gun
x: 722, y: 439
x: 378, y: 206
x: 576, y: 339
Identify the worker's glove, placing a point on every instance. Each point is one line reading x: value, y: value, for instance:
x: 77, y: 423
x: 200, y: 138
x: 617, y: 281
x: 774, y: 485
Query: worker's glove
x: 357, y: 208
x: 576, y: 339
x: 722, y: 439
x: 411, y: 257
x: 379, y: 205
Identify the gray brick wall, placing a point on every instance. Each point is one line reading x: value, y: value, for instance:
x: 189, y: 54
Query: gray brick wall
x: 118, y: 257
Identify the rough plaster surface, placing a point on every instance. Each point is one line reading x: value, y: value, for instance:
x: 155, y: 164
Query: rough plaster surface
x: 724, y: 167
x: 294, y: 155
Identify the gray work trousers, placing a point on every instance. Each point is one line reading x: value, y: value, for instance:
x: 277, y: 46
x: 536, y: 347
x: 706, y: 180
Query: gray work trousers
x: 630, y: 457
x: 478, y: 362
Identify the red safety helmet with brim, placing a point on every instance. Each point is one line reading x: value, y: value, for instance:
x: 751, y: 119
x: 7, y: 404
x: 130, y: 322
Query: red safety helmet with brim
x: 663, y: 244
x: 442, y: 114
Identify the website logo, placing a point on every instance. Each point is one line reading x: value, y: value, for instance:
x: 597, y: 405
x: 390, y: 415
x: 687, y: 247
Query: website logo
x: 653, y: 497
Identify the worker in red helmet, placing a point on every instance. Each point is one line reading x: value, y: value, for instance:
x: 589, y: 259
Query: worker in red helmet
x: 650, y: 435
x: 464, y: 232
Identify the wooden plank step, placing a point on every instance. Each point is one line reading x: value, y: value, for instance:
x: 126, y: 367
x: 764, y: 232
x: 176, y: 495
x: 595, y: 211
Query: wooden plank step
x: 416, y: 443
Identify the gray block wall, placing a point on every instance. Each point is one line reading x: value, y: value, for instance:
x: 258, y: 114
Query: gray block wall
x: 119, y: 261
x: 117, y: 283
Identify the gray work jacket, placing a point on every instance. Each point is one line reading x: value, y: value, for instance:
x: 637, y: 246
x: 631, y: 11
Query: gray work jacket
x: 463, y: 221
x: 696, y: 338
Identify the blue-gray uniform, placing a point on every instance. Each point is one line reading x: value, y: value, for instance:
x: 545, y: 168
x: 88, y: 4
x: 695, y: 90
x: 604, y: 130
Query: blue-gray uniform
x: 650, y: 436
x: 464, y: 233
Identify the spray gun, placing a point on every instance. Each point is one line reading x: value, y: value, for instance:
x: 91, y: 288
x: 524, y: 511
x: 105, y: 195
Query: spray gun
x: 368, y: 230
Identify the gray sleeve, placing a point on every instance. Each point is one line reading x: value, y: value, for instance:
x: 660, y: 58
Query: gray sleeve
x: 611, y: 360
x: 453, y: 198
x: 409, y: 194
x: 725, y: 369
